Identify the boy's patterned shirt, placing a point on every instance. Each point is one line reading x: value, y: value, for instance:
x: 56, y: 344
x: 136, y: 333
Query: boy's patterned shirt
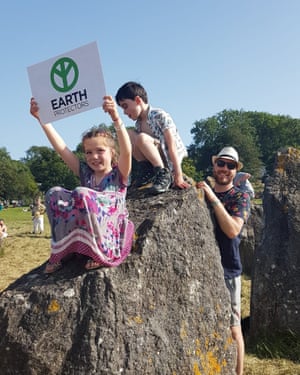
x: 159, y: 121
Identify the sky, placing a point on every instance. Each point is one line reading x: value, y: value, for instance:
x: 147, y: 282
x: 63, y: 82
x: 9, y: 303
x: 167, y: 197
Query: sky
x: 195, y: 58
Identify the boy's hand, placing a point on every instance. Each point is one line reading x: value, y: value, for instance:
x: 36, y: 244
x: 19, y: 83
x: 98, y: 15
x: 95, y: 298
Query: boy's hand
x: 180, y: 182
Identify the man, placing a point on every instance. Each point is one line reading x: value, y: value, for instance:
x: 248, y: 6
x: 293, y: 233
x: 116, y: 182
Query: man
x: 231, y: 210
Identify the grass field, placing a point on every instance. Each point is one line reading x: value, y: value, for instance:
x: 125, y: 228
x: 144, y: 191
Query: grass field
x: 22, y: 251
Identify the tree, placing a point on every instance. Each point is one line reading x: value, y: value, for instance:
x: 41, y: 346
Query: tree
x: 25, y: 186
x: 5, y: 160
x: 16, y: 180
x: 275, y: 132
x: 257, y: 136
x: 188, y: 168
x: 228, y: 128
x: 49, y: 169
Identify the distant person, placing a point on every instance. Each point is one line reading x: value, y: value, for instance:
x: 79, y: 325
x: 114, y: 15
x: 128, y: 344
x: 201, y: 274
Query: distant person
x: 156, y: 144
x: 3, y: 231
x: 37, y: 212
x: 231, y: 207
x: 92, y: 219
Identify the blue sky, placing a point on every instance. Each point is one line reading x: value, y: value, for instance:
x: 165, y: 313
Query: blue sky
x: 194, y: 57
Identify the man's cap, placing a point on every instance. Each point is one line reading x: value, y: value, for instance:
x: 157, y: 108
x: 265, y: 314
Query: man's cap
x: 228, y: 153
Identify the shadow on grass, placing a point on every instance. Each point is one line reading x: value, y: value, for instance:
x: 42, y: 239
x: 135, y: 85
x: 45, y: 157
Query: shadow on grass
x: 274, y: 345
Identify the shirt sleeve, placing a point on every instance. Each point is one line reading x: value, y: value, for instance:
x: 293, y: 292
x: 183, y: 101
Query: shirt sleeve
x: 239, y: 205
x: 164, y: 120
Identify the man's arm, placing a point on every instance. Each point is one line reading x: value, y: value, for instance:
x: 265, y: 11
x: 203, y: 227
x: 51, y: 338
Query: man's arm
x: 230, y: 225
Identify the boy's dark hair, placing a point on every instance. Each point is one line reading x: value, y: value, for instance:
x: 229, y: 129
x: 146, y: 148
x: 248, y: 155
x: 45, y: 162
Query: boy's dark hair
x: 130, y: 90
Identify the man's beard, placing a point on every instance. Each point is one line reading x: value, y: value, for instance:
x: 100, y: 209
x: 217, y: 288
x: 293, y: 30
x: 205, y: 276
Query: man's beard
x: 223, y: 180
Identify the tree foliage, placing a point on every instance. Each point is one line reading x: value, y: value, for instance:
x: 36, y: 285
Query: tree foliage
x: 49, y: 169
x: 257, y: 136
x: 274, y: 133
x: 189, y: 168
x: 16, y: 180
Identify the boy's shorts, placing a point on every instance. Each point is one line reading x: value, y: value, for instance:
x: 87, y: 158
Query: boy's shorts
x: 234, y: 287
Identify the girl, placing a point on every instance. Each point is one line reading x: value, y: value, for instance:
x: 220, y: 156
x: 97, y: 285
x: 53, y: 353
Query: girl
x: 92, y: 219
x: 37, y: 213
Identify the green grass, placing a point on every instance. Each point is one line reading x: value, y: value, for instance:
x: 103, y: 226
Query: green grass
x: 19, y: 215
x: 277, y: 346
x: 22, y: 251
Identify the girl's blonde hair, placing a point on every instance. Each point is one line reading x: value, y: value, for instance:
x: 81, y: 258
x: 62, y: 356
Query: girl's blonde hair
x: 110, y: 141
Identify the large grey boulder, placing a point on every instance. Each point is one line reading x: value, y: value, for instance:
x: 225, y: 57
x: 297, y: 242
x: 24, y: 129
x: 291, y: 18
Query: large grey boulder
x: 164, y: 311
x: 275, y: 296
x: 251, y: 238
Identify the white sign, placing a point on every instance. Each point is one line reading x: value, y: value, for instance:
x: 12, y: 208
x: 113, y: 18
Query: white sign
x: 68, y: 84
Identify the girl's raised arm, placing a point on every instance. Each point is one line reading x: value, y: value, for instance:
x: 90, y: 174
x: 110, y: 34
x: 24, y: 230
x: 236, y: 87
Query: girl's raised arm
x: 56, y: 140
x: 123, y: 138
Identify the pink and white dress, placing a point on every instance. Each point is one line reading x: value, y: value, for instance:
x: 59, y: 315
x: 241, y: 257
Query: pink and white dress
x: 90, y: 220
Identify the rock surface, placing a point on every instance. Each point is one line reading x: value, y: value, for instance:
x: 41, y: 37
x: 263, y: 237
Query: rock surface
x: 251, y: 238
x: 275, y: 300
x: 164, y: 311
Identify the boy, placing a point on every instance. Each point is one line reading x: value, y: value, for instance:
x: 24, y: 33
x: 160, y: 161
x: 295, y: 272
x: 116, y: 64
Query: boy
x: 156, y: 144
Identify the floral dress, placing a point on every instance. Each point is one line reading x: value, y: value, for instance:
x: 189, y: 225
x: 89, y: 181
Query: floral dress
x: 91, y: 220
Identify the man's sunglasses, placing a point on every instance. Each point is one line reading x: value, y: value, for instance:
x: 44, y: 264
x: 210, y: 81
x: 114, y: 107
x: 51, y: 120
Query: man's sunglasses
x: 222, y: 163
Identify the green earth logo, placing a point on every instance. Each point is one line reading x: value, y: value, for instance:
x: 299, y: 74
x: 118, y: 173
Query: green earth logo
x: 64, y: 74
